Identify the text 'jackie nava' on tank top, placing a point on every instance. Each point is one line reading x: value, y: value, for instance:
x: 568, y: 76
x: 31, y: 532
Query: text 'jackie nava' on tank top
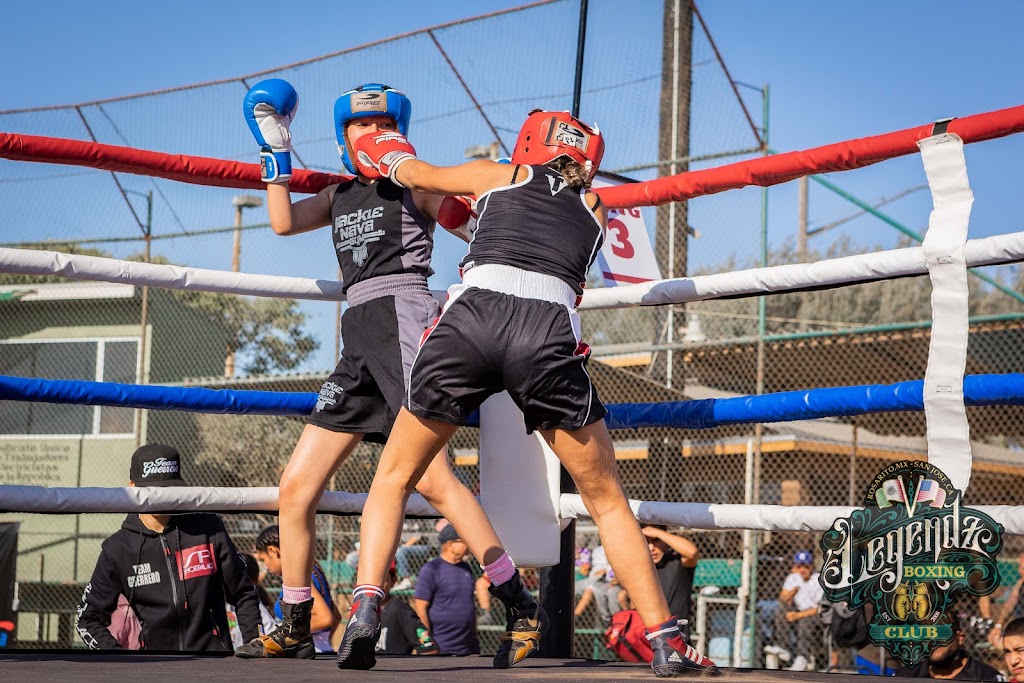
x: 542, y: 225
x: 377, y: 231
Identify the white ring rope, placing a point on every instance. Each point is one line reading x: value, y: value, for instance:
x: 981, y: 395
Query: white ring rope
x: 712, y: 516
x: 178, y: 499
x: 68, y: 500
x: 81, y: 267
x: 894, y: 263
x: 882, y: 265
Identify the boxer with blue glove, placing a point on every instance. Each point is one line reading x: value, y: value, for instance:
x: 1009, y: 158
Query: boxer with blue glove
x: 269, y: 108
x: 383, y: 236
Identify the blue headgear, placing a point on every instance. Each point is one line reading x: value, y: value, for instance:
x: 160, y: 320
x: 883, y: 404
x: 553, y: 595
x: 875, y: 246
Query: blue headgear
x: 369, y: 99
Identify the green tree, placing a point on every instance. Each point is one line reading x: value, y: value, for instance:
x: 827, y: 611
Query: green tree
x: 246, y: 450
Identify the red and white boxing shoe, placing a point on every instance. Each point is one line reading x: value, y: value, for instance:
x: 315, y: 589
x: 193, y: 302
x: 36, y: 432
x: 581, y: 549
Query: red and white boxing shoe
x: 673, y: 656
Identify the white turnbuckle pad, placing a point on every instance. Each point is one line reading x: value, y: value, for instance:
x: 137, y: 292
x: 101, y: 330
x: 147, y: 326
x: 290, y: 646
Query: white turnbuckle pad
x: 519, y: 484
x: 949, y: 445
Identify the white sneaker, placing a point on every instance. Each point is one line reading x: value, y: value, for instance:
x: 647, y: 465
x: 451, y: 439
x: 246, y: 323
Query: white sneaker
x: 403, y: 585
x: 799, y: 664
x: 780, y: 652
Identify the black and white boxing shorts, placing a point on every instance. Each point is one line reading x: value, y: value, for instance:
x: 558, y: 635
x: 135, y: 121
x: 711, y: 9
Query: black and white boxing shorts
x: 380, y: 331
x: 505, y: 328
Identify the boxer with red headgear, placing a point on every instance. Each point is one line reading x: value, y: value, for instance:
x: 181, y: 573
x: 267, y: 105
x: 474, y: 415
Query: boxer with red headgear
x: 512, y: 325
x: 547, y: 136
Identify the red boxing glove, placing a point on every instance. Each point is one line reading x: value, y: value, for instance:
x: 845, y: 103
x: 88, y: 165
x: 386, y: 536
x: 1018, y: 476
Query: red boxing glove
x: 379, y: 156
x: 457, y: 215
x: 455, y: 212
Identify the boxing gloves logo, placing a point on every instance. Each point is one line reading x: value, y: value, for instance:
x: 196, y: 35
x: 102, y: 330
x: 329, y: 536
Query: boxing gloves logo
x: 919, y: 604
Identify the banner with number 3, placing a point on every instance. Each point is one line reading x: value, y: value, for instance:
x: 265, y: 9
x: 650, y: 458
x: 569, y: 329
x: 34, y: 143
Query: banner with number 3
x: 627, y: 256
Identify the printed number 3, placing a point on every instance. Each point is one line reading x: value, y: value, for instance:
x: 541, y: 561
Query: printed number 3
x: 621, y: 245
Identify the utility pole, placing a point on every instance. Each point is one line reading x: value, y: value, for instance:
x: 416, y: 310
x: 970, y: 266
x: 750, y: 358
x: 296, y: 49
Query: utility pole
x: 670, y: 244
x: 240, y: 202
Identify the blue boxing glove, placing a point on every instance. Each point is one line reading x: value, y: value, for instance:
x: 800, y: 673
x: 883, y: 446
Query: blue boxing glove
x: 269, y: 108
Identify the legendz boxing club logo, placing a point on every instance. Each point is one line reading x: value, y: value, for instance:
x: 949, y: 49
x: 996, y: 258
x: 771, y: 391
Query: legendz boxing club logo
x: 354, y: 232
x: 196, y: 561
x: 910, y: 552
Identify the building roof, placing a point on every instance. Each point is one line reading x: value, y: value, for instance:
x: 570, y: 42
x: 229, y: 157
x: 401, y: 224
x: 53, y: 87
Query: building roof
x: 66, y: 291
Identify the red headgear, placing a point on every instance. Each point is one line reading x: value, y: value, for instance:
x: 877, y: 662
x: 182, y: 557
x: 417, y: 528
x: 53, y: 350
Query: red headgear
x: 547, y: 135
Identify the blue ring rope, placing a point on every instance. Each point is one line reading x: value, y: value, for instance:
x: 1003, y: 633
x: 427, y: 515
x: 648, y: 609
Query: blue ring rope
x: 979, y: 390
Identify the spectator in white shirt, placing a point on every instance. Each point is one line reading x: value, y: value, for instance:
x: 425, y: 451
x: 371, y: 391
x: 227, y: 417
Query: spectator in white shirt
x: 797, y: 627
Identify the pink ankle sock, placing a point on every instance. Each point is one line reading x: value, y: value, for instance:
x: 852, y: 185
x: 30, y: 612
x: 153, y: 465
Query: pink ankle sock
x: 294, y: 596
x: 501, y: 570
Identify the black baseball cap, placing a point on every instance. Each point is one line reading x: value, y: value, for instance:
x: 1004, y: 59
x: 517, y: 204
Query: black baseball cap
x: 156, y: 465
x: 448, y: 534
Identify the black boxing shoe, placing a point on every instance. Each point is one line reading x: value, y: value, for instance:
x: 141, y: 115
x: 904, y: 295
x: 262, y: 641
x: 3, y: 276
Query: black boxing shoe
x: 357, y: 648
x: 672, y: 655
x: 525, y: 622
x: 289, y: 639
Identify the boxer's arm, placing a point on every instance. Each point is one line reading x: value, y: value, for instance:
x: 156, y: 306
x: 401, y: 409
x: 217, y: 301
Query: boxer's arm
x: 598, y: 207
x: 304, y: 215
x: 473, y: 178
x: 390, y: 155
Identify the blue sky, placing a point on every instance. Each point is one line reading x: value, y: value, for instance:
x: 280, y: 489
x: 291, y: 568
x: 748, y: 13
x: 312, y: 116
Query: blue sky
x: 836, y: 71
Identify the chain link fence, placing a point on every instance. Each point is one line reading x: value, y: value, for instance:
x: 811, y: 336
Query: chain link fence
x: 875, y: 333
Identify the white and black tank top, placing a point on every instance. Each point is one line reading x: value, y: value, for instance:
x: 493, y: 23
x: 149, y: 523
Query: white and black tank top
x: 542, y: 225
x: 377, y: 230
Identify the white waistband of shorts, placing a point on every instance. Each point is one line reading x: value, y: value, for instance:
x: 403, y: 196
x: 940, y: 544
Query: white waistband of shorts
x: 525, y: 284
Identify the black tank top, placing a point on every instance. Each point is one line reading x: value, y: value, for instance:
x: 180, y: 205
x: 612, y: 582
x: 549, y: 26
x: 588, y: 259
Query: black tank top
x: 677, y: 584
x: 542, y: 226
x: 377, y: 230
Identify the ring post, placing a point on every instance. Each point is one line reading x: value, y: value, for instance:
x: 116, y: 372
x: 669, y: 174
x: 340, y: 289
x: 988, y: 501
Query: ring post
x: 557, y: 584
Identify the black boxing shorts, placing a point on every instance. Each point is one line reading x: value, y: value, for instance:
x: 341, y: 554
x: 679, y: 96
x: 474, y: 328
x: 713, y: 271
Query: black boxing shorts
x: 488, y: 341
x: 381, y: 335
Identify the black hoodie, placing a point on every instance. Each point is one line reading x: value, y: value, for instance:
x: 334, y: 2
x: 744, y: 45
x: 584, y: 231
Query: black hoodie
x: 176, y: 581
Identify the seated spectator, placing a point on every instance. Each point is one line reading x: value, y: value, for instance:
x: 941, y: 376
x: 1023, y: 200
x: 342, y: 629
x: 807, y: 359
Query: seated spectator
x: 606, y: 594
x: 951, y: 661
x: 675, y: 558
x: 352, y: 559
x: 797, y: 627
x: 1013, y: 650
x: 601, y: 589
x: 252, y: 570
x: 444, y: 597
x: 582, y: 579
x: 401, y: 631
x: 410, y: 555
x: 325, y: 615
